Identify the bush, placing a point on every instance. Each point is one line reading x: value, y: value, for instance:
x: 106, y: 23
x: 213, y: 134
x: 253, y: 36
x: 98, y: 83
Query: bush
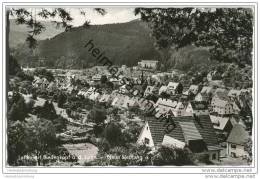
x: 166, y: 155
x: 113, y: 134
x: 201, y: 158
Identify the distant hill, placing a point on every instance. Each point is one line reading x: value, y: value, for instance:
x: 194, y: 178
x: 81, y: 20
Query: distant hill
x: 18, y: 33
x: 123, y: 43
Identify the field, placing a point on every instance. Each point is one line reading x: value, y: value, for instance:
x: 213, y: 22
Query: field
x: 84, y: 151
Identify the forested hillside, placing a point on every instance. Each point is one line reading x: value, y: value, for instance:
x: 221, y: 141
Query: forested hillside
x: 124, y: 43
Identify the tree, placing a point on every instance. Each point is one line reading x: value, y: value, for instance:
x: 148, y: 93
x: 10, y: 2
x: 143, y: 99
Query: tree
x: 103, y: 79
x: 152, y: 97
x: 44, y: 73
x: 227, y: 31
x: 13, y: 66
x: 110, y: 85
x: 248, y: 147
x: 113, y: 134
x: 18, y: 111
x: 29, y: 105
x: 98, y: 116
x: 179, y: 89
x: 61, y: 100
x: 60, y: 124
x: 166, y: 155
x: 40, y: 138
x: 16, y: 146
x: 46, y: 111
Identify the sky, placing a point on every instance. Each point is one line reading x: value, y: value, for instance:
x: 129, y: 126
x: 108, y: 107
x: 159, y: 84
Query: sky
x: 114, y: 15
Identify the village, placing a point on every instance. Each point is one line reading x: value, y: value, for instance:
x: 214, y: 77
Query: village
x: 208, y: 118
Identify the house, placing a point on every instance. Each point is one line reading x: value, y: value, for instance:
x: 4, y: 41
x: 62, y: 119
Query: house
x: 236, y: 141
x: 221, y: 124
x: 194, y: 132
x: 118, y: 101
x: 91, y: 90
x: 130, y: 102
x: 205, y: 94
x: 149, y: 90
x: 105, y: 98
x: 209, y: 76
x: 96, y: 77
x: 174, y: 88
x: 40, y: 83
x: 164, y: 105
x: 123, y: 89
x: 221, y: 90
x: 94, y: 96
x: 162, y: 89
x: 194, y: 89
x: 221, y: 104
x: 83, y: 92
x: 160, y: 113
x: 207, y: 90
x: 152, y: 64
x: 115, y: 81
x: 197, y: 108
x: 234, y: 93
x: 52, y: 87
x: 202, y: 97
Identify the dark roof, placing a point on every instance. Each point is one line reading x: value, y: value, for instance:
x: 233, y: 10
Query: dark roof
x: 199, y: 105
x: 238, y: 135
x: 202, y: 124
x: 157, y: 130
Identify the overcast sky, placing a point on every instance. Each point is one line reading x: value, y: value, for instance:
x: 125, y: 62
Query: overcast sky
x: 114, y: 15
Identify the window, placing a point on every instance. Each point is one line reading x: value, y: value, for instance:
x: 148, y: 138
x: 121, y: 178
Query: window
x: 146, y: 141
x: 214, y: 156
x: 233, y: 146
x: 233, y: 154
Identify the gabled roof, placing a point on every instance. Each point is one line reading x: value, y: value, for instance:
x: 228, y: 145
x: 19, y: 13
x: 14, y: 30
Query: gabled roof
x: 238, y: 135
x: 105, y: 98
x: 221, y: 90
x: 199, y: 105
x: 207, y: 90
x: 157, y: 129
x: 219, y: 122
x: 193, y: 88
x: 149, y: 89
x: 94, y: 95
x: 162, y: 89
x: 166, y: 103
x: 234, y: 93
x: 201, y: 126
x: 204, y: 96
x: 190, y: 132
x: 173, y: 85
x: 222, y: 95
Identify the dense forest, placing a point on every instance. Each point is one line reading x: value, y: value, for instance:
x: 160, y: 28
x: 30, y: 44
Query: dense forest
x: 124, y: 43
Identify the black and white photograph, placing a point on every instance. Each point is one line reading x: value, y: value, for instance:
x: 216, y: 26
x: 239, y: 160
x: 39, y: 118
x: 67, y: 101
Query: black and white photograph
x: 129, y: 86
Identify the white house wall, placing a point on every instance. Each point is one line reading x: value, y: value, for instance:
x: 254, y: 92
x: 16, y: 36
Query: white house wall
x: 167, y: 140
x: 146, y: 133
